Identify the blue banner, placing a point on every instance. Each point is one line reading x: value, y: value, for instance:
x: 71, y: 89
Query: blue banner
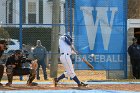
x: 100, y: 29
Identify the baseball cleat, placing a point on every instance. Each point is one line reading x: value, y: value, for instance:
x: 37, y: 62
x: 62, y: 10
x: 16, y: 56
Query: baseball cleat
x: 1, y: 84
x: 32, y: 84
x: 55, y: 82
x: 82, y: 85
x: 8, y: 84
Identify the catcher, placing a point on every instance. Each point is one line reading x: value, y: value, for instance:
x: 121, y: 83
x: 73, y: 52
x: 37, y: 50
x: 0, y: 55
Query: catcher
x: 14, y: 68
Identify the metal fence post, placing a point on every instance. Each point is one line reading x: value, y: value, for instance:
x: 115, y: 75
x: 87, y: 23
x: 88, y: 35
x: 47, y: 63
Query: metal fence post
x: 20, y: 20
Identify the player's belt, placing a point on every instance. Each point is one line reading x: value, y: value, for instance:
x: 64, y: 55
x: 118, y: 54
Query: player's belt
x: 64, y: 53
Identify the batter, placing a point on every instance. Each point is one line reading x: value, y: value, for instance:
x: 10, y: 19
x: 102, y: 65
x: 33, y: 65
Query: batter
x: 66, y: 48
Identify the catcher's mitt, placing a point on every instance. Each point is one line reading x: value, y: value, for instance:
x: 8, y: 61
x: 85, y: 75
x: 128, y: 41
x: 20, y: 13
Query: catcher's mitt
x: 34, y: 64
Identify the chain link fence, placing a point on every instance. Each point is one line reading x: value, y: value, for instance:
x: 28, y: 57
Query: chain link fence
x: 30, y: 20
x: 23, y: 22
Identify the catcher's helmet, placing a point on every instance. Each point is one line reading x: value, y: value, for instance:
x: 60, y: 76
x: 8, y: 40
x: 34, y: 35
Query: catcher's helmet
x: 18, y: 51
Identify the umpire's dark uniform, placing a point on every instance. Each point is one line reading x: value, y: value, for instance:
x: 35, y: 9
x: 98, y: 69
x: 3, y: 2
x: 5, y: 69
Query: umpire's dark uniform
x: 3, y: 46
x: 1, y: 67
x: 134, y: 52
x: 18, y: 70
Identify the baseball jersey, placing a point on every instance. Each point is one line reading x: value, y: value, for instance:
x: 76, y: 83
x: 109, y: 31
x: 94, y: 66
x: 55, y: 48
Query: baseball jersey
x: 64, y: 47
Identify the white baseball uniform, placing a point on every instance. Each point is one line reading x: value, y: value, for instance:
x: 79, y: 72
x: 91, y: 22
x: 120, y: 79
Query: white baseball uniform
x: 65, y: 51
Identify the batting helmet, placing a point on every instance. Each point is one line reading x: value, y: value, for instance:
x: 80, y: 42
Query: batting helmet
x: 68, y: 39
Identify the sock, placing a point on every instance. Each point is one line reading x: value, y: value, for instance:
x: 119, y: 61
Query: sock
x: 61, y: 77
x: 76, y: 80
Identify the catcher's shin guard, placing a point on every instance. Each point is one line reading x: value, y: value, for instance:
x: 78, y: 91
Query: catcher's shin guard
x: 1, y: 71
x: 9, y: 72
x: 31, y: 76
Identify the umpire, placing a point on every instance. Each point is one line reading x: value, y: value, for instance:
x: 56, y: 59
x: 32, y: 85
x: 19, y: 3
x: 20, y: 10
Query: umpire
x: 14, y: 68
x: 134, y: 53
x: 39, y: 53
x: 3, y: 46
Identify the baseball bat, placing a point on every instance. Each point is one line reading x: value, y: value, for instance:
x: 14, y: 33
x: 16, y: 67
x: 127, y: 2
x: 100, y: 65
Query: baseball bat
x: 88, y: 64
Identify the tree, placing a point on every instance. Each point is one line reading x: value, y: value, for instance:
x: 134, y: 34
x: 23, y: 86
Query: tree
x: 4, y: 34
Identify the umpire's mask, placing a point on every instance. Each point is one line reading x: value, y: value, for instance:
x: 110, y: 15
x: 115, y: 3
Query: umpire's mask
x: 38, y: 43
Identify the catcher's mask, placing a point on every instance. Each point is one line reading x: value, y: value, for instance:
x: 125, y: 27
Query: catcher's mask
x: 18, y: 51
x: 19, y: 54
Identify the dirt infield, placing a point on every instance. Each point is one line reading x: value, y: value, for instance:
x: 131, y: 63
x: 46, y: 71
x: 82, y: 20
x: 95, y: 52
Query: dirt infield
x: 125, y: 87
x: 83, y: 75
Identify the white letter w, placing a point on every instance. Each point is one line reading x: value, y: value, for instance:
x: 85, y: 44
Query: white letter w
x: 102, y: 20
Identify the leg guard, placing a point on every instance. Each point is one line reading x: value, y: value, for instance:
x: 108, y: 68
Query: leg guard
x: 9, y: 72
x: 31, y: 76
x: 1, y: 71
